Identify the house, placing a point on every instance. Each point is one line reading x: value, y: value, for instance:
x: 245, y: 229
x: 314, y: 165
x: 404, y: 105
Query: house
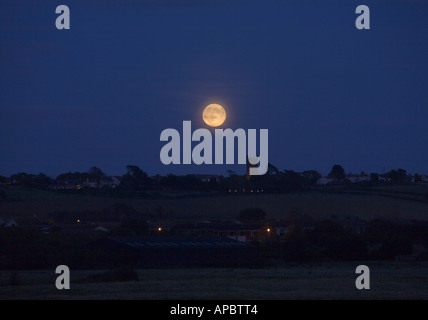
x: 236, y: 230
x: 207, y: 177
x: 358, y: 178
x: 240, y: 232
x: 69, y: 184
x: 160, y: 225
x: 324, y: 181
x: 179, y: 251
x: 11, y: 224
x: 353, y: 224
x: 112, y: 182
x: 115, y: 181
x: 90, y: 184
x: 281, y: 228
x: 243, y: 232
x: 383, y: 178
x: 356, y: 228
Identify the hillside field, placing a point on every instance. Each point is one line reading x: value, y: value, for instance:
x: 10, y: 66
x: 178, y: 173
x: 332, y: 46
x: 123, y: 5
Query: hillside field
x: 28, y: 202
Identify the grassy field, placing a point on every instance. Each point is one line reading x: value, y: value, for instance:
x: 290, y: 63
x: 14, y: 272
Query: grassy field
x: 25, y: 202
x: 416, y: 189
x: 389, y: 280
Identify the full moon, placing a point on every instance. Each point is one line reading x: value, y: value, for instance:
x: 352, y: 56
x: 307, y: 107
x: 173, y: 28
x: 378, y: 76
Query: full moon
x: 214, y: 115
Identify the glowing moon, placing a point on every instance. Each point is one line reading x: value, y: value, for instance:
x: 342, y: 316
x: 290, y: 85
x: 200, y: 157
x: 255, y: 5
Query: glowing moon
x: 214, y: 115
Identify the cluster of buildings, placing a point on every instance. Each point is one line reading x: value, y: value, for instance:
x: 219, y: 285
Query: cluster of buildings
x: 250, y: 232
x: 74, y: 184
x: 246, y: 232
x: 11, y: 223
x: 190, y: 244
x: 208, y: 243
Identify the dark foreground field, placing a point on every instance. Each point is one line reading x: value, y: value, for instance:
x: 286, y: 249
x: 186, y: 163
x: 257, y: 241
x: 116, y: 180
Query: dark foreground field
x: 389, y: 280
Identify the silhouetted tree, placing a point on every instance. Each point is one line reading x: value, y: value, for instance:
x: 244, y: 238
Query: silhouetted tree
x: 169, y: 182
x: 418, y: 178
x: 40, y: 181
x: 231, y: 173
x: 374, y: 177
x: 79, y: 177
x: 398, y: 176
x: 98, y: 176
x: 291, y: 181
x: 337, y: 172
x: 212, y: 185
x: 22, y: 179
x: 311, y: 176
x: 43, y: 181
x: 272, y: 169
x: 336, y: 243
x: 135, y: 179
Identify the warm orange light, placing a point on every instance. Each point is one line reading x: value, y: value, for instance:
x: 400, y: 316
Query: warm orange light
x: 78, y: 221
x: 159, y: 229
x: 268, y: 230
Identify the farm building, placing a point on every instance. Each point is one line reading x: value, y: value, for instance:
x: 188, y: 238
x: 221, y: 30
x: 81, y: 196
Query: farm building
x: 244, y: 232
x: 236, y: 231
x: 12, y: 223
x: 352, y: 224
x: 101, y: 229
x: 180, y: 251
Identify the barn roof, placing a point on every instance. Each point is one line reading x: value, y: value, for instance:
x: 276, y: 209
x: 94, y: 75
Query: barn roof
x: 180, y: 242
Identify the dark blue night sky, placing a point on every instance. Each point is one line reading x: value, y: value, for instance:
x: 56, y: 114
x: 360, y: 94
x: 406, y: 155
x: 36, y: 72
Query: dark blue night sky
x: 101, y: 93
